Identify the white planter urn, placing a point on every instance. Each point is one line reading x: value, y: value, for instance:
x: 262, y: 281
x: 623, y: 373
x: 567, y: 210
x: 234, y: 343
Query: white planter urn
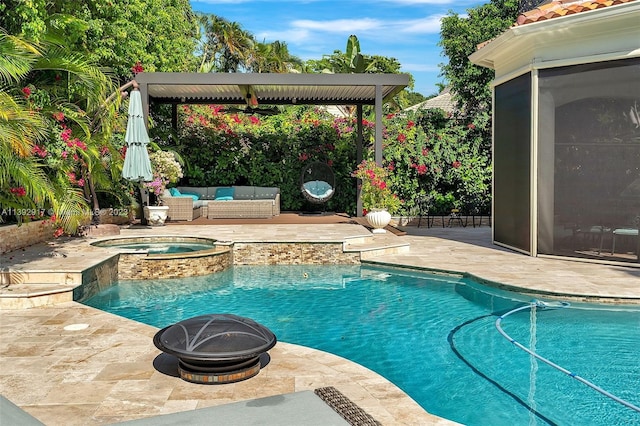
x: 378, y: 219
x: 156, y: 215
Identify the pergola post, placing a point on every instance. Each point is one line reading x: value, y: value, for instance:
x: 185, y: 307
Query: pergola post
x: 378, y: 142
x: 359, y: 154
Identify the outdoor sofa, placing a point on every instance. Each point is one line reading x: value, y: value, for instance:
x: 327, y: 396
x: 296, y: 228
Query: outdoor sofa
x: 221, y: 202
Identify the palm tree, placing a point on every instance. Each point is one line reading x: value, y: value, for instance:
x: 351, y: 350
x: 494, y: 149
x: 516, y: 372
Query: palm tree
x: 39, y: 82
x: 226, y: 46
x: 273, y: 58
x: 22, y: 179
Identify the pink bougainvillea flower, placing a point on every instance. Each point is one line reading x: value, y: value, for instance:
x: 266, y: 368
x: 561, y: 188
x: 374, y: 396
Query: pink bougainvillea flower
x: 390, y: 116
x: 421, y: 169
x: 26, y: 91
x: 410, y: 124
x: 402, y: 138
x: 391, y: 166
x: 456, y: 164
x: 65, y: 135
x: 471, y: 126
x: 58, y: 232
x: 64, y: 154
x: 425, y: 151
x: 254, y: 119
x: 80, y: 182
x: 137, y: 68
x: 80, y: 144
x: 58, y: 116
x: 39, y: 151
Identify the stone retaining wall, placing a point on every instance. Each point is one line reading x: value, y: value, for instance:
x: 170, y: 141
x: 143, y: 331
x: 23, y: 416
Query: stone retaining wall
x: 14, y: 237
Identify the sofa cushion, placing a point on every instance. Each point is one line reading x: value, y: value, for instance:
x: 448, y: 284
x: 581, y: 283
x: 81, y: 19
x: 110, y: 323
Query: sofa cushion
x: 193, y: 195
x: 244, y: 193
x: 209, y: 192
x: 266, y: 193
x: 225, y: 193
x: 201, y: 191
x: 175, y: 192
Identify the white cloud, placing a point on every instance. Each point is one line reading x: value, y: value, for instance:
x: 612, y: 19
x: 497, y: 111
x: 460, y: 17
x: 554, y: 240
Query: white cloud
x: 298, y: 35
x: 340, y: 25
x: 427, y: 25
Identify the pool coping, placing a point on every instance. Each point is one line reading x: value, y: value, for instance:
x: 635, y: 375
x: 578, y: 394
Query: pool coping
x: 433, y: 247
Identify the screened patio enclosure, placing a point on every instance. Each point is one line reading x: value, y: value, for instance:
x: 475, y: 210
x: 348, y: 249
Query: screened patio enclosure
x: 566, y: 137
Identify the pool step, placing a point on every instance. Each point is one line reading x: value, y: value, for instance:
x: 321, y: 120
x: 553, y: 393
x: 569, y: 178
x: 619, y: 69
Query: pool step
x: 32, y: 295
x: 376, y: 245
x: 16, y: 276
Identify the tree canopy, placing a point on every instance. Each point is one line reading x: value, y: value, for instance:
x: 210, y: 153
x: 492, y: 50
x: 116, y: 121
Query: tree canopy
x: 460, y: 37
x: 161, y: 34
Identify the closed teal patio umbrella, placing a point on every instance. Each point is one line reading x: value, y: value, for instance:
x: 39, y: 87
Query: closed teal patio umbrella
x: 137, y: 166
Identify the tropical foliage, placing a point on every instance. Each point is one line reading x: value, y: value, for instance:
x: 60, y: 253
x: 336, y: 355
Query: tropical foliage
x: 460, y: 36
x: 55, y: 151
x: 449, y: 161
x: 62, y: 144
x: 161, y: 34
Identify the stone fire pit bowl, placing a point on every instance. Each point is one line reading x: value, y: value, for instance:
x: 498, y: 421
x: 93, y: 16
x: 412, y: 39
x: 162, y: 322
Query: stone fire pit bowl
x: 216, y: 348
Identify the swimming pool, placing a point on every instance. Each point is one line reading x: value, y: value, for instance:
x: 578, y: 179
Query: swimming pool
x: 433, y: 336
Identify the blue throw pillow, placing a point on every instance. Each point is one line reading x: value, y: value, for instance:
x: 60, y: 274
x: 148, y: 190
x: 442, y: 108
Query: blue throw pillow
x: 224, y: 193
x: 193, y: 195
x: 174, y: 192
x: 225, y: 198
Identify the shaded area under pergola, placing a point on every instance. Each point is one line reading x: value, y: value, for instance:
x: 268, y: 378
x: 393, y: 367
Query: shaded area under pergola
x: 255, y: 89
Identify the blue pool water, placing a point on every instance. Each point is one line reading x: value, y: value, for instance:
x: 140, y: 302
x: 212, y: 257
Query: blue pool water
x: 433, y: 336
x: 163, y: 247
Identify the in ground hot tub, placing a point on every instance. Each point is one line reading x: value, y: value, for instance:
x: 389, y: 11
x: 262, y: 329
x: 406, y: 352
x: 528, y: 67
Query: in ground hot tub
x: 159, y: 257
x: 159, y: 245
x: 216, y: 348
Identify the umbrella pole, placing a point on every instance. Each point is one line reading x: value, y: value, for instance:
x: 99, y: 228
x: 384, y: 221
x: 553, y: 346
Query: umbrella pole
x: 144, y: 200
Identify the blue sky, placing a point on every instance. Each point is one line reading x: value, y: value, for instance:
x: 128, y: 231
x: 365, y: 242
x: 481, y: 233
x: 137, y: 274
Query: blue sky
x: 408, y: 30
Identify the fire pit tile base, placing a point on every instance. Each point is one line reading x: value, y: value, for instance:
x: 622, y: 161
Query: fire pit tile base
x: 218, y: 378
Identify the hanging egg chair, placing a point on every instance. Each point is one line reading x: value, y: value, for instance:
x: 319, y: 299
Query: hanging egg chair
x: 317, y: 183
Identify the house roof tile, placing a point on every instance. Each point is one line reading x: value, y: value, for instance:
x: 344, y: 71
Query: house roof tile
x: 558, y: 8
